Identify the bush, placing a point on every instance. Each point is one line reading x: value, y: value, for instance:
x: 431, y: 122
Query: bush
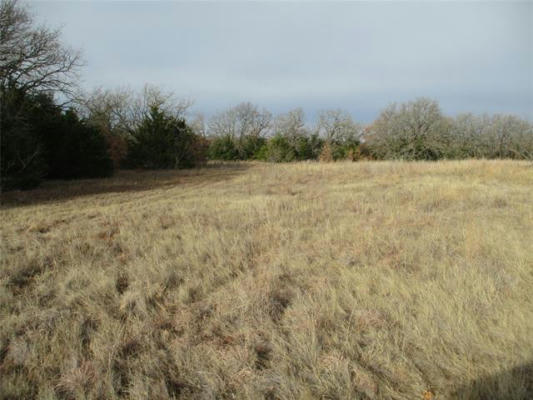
x: 39, y: 141
x: 117, y: 147
x: 197, y: 152
x: 249, y: 147
x: 326, y: 155
x: 308, y: 147
x: 223, y: 148
x: 73, y: 149
x: 262, y: 153
x: 343, y: 151
x: 280, y: 150
x: 226, y: 147
x: 162, y: 141
x: 22, y: 161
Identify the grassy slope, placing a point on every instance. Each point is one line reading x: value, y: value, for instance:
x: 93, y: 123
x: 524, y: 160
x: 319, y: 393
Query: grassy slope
x: 300, y: 281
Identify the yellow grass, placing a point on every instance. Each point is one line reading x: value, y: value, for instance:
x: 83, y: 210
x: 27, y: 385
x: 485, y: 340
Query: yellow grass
x: 370, y: 280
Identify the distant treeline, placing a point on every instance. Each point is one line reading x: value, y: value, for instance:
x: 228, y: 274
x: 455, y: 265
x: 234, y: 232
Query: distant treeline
x: 415, y: 130
x: 92, y: 134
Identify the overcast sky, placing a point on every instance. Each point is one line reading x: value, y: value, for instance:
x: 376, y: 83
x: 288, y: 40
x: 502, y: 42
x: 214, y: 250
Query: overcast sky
x: 356, y: 56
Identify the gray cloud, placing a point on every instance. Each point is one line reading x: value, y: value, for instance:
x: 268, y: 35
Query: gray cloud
x: 358, y: 56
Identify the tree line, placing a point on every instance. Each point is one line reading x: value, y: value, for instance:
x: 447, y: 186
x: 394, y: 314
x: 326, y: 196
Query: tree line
x: 52, y: 130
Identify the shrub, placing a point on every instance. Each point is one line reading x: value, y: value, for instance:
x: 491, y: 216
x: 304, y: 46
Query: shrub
x: 308, y: 147
x: 326, y: 155
x: 73, y: 149
x: 222, y: 148
x: 197, y: 152
x: 262, y: 153
x: 343, y: 151
x: 163, y: 141
x: 39, y: 141
x: 280, y: 150
x: 117, y: 147
x: 22, y: 161
x: 229, y: 148
x: 249, y: 146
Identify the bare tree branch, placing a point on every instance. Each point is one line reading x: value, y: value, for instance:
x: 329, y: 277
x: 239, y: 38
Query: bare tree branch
x: 32, y: 57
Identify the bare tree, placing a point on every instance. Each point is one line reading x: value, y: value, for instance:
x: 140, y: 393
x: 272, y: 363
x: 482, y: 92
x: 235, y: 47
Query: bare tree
x: 32, y: 58
x: 413, y: 130
x: 468, y: 134
x: 291, y: 125
x: 121, y: 110
x: 108, y: 109
x: 198, y: 124
x: 338, y: 125
x: 486, y: 136
x: 510, y: 137
x: 240, y: 121
x: 164, y: 100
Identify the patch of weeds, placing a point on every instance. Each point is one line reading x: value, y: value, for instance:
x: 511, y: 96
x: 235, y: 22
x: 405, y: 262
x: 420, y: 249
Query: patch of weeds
x: 25, y: 275
x: 122, y: 283
x: 263, y: 352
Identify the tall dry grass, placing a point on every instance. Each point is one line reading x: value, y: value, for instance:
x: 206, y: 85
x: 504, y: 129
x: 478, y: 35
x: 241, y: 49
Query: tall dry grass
x: 370, y: 280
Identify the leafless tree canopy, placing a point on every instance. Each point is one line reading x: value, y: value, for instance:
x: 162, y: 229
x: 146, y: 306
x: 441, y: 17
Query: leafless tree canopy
x: 166, y: 101
x: 198, y: 124
x: 412, y: 130
x: 107, y: 109
x: 291, y: 124
x: 121, y: 110
x: 32, y: 58
x: 242, y: 120
x: 338, y: 125
x: 496, y: 136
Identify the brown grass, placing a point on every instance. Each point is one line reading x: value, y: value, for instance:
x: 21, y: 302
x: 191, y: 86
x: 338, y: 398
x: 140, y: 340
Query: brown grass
x: 370, y: 280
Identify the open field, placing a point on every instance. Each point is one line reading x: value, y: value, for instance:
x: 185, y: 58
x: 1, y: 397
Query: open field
x: 370, y: 280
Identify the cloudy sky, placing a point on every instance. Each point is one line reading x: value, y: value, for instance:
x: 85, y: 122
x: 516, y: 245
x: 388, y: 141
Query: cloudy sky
x: 357, y: 56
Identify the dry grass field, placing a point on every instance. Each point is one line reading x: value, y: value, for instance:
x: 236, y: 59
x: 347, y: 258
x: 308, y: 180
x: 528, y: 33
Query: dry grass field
x: 369, y: 280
